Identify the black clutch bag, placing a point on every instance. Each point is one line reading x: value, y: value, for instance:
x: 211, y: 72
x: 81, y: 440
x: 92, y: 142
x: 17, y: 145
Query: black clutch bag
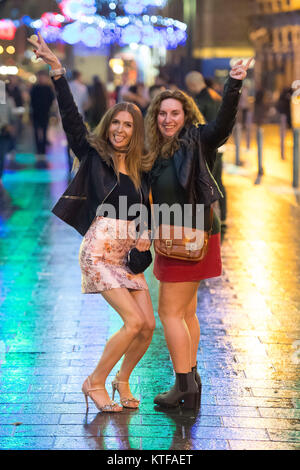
x: 138, y: 261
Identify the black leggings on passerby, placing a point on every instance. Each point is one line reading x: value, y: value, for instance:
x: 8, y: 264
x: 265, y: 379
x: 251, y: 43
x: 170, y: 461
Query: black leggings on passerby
x: 40, y: 135
x: 217, y: 173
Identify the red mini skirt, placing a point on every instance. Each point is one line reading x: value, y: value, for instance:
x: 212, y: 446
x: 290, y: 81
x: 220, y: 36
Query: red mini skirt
x: 173, y: 270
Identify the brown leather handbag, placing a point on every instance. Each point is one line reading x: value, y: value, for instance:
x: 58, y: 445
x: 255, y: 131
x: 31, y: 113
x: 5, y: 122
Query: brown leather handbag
x: 182, y: 243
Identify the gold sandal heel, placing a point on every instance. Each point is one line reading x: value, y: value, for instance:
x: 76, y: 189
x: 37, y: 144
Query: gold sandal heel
x: 125, y: 402
x: 112, y: 407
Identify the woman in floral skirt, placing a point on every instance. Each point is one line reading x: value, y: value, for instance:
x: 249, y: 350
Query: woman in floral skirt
x: 111, y: 168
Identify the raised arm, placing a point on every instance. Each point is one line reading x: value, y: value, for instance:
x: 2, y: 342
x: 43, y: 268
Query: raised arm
x: 74, y: 127
x: 215, y: 133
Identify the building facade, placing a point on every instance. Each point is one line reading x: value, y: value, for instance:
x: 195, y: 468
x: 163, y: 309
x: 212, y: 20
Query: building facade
x: 218, y: 31
x: 275, y: 35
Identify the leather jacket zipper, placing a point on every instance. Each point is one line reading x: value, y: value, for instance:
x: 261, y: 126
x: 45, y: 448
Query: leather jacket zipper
x: 211, y: 188
x: 208, y: 185
x: 99, y: 207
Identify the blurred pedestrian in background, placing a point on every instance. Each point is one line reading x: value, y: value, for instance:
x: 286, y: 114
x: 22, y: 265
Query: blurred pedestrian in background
x: 124, y: 87
x: 259, y: 106
x: 171, y: 86
x: 139, y: 95
x: 7, y: 149
x: 80, y: 92
x: 214, y: 84
x: 283, y: 106
x: 244, y: 106
x: 7, y: 132
x: 81, y: 97
x: 42, y: 97
x: 13, y: 90
x: 97, y: 102
x: 154, y: 90
x: 208, y: 102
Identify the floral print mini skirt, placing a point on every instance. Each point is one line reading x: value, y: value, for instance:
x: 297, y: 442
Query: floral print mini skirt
x: 103, y: 256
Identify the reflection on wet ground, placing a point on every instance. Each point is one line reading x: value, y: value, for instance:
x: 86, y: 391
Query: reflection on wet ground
x: 51, y: 335
x: 125, y: 425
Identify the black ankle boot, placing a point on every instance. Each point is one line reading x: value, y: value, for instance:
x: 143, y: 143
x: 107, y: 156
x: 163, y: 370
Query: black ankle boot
x: 197, y: 378
x: 184, y: 391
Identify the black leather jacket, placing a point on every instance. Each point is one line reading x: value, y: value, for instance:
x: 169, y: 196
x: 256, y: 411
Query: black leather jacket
x: 195, y: 158
x: 95, y: 180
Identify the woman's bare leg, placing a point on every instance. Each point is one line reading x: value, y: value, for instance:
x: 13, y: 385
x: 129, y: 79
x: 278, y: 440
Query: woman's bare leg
x: 173, y: 300
x: 126, y: 306
x: 142, y: 341
x: 192, y: 322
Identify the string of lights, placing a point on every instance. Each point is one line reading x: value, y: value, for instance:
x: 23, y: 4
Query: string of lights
x: 97, y: 23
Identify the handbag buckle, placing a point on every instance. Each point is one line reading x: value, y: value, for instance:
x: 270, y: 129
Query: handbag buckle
x: 191, y: 246
x: 169, y: 243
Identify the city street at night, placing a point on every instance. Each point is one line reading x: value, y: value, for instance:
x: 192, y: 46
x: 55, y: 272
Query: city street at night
x: 52, y: 335
x: 129, y: 325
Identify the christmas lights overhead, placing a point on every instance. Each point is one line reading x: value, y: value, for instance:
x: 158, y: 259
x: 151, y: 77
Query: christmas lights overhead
x: 95, y: 30
x: 74, y: 8
x: 80, y: 21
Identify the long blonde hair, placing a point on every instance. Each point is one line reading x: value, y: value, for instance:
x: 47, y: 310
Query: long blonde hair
x: 135, y: 155
x: 157, y: 145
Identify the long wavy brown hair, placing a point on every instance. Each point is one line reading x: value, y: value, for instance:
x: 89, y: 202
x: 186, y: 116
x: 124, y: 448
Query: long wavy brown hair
x: 157, y: 145
x: 135, y: 155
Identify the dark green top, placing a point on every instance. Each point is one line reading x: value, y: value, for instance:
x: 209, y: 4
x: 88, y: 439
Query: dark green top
x: 166, y: 189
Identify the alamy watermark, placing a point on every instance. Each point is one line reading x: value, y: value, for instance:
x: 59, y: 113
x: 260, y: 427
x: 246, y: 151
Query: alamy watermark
x: 164, y: 221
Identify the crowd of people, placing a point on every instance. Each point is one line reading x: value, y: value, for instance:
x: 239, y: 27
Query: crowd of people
x: 31, y: 105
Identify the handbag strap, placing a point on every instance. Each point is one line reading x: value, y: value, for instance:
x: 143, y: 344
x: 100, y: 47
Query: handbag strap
x: 211, y: 221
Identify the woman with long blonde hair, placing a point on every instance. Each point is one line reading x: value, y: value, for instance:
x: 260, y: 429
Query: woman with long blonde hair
x: 111, y: 168
x: 182, y: 154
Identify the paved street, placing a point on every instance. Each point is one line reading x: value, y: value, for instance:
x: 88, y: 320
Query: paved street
x: 51, y: 335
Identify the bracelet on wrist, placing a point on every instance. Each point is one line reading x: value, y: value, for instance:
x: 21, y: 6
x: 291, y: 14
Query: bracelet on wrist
x: 56, y: 72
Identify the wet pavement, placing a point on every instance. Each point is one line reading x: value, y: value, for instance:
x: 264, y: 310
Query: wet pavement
x: 51, y: 335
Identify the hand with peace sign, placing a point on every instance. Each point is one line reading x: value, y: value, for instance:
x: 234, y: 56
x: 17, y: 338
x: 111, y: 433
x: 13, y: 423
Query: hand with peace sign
x: 42, y: 50
x: 239, y: 71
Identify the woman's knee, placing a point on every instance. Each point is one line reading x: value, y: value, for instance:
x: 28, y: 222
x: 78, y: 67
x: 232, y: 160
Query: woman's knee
x: 190, y: 314
x: 169, y: 314
x: 148, y: 328
x: 134, y: 325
